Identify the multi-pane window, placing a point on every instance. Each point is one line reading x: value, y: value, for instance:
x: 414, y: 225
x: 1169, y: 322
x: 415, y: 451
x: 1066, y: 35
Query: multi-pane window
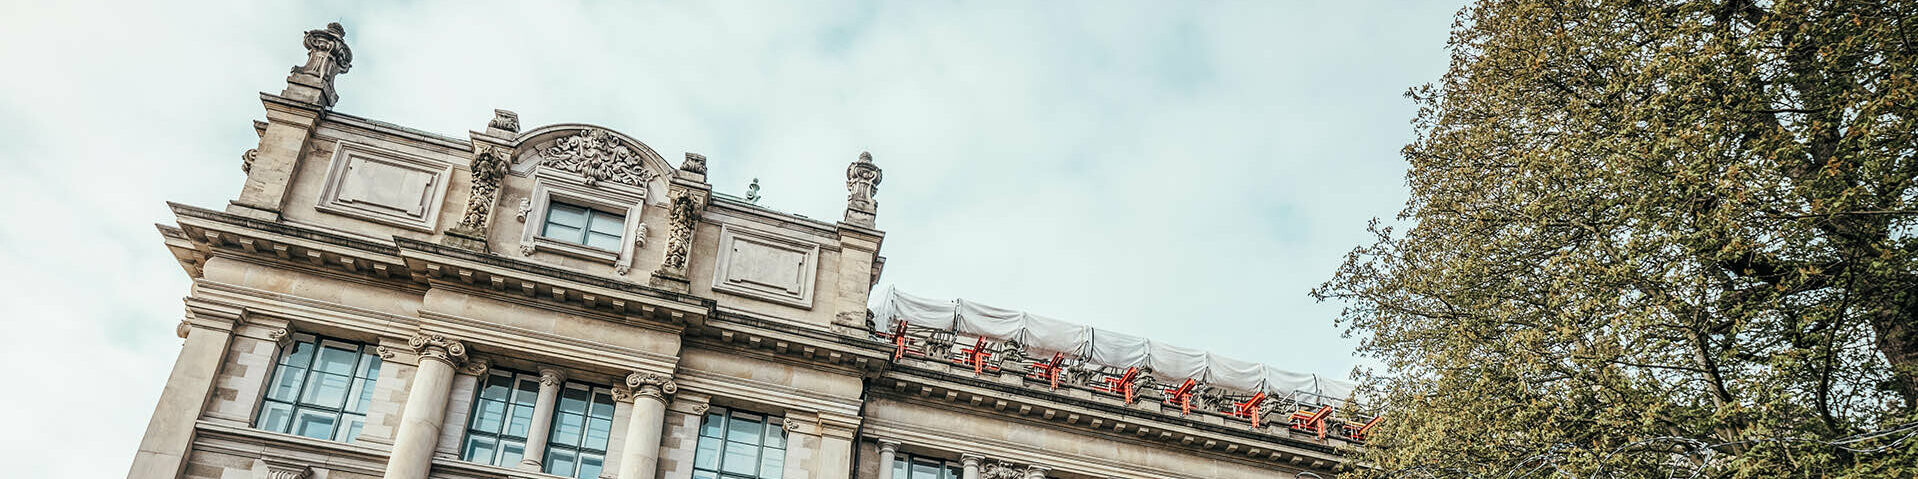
x: 740, y: 445
x: 581, y: 426
x: 582, y: 225
x: 907, y: 466
x: 320, y: 389
x: 502, y: 415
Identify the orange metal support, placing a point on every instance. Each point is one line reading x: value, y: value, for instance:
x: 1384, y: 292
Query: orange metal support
x: 1122, y: 385
x: 1313, y: 422
x: 1249, y: 410
x: 1357, y: 432
x: 1182, y: 396
x: 976, y: 356
x: 899, y: 341
x: 1049, y: 370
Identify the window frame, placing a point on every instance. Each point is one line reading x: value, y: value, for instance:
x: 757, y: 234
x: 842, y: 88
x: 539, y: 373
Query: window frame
x: 553, y: 186
x: 587, y: 417
x: 724, y: 445
x: 349, y: 418
x: 902, y: 463
x: 501, y: 437
x: 590, y: 217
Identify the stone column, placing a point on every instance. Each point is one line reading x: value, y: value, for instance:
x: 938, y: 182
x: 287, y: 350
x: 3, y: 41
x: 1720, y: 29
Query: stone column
x: 971, y: 464
x: 550, y: 380
x: 887, y: 448
x: 169, y: 434
x: 1037, y: 472
x: 425, y: 406
x: 648, y: 392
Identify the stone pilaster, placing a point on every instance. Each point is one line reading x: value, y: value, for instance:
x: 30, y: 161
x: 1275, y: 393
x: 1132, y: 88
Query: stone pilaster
x: 488, y: 171
x: 169, y: 434
x: 686, y: 202
x: 425, y: 409
x: 648, y: 392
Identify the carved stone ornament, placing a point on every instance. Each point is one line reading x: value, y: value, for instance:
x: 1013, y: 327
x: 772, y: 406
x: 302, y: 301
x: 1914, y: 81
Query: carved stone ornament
x: 525, y: 208
x: 621, y: 393
x: 246, y: 159
x: 386, y: 353
x: 791, y: 425
x: 489, y: 168
x: 504, y: 120
x: 326, y: 56
x: 1037, y: 472
x: 476, y: 366
x: 436, y: 346
x: 653, y: 385
x: 700, y: 409
x: 862, y: 185
x: 280, y: 336
x: 1000, y: 470
x: 285, y: 470
x: 639, y: 242
x: 684, y: 216
x: 182, y: 329
x: 695, y: 163
x: 598, y: 156
x: 550, y: 377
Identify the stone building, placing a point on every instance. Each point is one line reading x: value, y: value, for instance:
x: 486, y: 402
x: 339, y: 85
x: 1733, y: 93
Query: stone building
x: 562, y: 301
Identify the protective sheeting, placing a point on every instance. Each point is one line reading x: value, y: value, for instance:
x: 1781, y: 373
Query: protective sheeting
x: 1040, y: 334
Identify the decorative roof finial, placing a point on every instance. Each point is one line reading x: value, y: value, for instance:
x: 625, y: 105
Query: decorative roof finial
x: 695, y: 163
x: 862, y: 184
x: 752, y: 192
x: 504, y: 120
x: 326, y: 56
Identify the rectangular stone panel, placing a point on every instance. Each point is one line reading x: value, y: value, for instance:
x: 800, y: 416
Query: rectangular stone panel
x: 765, y: 266
x: 385, y: 186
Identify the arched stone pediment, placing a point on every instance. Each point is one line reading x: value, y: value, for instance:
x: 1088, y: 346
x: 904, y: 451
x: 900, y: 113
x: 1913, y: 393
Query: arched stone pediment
x: 596, y: 153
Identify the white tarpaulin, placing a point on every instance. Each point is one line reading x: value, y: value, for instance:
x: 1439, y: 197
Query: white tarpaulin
x: 1041, y: 334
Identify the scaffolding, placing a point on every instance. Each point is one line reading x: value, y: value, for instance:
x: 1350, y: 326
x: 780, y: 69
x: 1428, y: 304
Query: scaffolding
x: 1129, y: 368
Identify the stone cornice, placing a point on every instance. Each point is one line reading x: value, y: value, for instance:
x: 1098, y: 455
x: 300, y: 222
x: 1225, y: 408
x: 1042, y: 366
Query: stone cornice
x: 797, y: 342
x: 434, y: 261
x: 548, y: 348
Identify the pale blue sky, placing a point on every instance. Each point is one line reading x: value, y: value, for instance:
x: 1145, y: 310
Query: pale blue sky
x: 1182, y: 171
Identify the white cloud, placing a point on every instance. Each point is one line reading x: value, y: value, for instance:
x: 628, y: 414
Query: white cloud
x: 1178, y: 171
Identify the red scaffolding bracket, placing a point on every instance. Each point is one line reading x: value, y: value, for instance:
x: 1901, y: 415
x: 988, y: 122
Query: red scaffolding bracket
x: 1049, y: 370
x: 1249, y: 410
x: 1122, y: 385
x: 899, y: 341
x: 1313, y: 422
x: 1182, y: 396
x: 1358, y: 431
x: 975, y: 356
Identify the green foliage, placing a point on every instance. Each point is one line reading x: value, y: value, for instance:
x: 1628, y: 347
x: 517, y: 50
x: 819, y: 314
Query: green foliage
x: 1634, y: 220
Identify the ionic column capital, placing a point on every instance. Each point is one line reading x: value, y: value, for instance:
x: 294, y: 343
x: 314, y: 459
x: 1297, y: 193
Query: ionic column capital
x: 652, y: 385
x: 970, y: 459
x: 888, y: 445
x: 550, y: 377
x: 476, y: 367
x: 439, y: 347
x: 1037, y: 471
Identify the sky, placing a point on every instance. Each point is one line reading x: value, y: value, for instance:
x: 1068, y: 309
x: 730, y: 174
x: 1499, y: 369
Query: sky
x: 1181, y: 171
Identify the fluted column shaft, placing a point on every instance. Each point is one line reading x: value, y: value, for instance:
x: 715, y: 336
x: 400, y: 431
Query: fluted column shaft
x: 640, y: 460
x: 425, y: 406
x: 971, y: 464
x: 550, y: 381
x: 887, y: 449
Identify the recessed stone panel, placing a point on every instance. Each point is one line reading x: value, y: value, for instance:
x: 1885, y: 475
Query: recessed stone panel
x: 385, y: 186
x: 764, y: 266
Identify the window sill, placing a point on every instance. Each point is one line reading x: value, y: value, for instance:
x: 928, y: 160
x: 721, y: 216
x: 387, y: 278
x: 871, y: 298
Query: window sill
x: 576, y: 250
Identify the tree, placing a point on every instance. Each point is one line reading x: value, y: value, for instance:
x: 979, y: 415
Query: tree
x: 1641, y: 227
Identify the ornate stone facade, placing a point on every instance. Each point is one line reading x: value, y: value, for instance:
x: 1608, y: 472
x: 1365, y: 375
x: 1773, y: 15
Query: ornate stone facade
x: 727, y: 326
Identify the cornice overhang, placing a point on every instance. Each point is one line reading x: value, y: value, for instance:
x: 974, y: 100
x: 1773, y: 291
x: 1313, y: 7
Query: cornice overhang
x: 791, y: 341
x: 431, y: 262
x: 216, y: 233
x: 923, y: 382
